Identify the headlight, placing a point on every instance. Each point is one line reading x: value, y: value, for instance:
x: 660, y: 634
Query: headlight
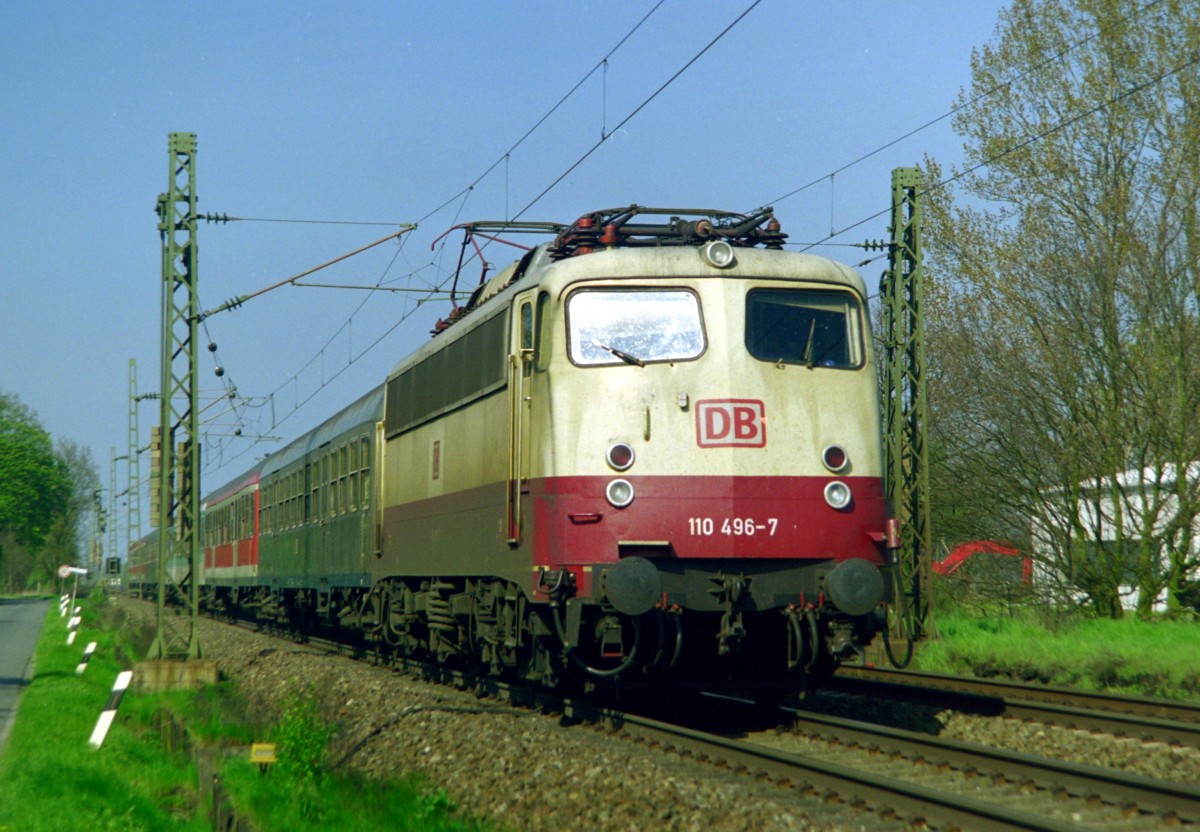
x: 837, y: 494
x: 835, y: 458
x: 718, y: 254
x: 619, y: 493
x: 620, y: 456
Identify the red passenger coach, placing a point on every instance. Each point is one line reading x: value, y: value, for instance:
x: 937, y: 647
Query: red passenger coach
x: 231, y: 533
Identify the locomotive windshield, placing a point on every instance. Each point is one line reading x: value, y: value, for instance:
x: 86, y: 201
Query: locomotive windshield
x: 803, y: 326
x: 633, y: 326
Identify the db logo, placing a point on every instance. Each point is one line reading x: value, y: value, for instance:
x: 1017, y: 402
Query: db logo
x: 738, y: 422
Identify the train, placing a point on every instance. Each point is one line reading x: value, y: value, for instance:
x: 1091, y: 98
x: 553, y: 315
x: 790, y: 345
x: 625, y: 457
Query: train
x: 646, y: 453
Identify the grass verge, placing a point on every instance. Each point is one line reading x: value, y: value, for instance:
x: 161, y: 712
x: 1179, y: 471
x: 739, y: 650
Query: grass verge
x: 145, y: 777
x: 1132, y: 656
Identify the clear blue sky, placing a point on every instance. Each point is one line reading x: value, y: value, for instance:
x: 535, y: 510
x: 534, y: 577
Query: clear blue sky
x: 382, y: 112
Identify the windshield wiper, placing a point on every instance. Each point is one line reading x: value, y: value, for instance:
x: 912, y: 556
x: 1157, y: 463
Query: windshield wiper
x: 624, y: 356
x: 809, y: 359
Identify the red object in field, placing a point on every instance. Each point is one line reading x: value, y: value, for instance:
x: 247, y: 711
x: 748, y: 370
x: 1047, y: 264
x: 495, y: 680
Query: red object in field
x: 963, y: 551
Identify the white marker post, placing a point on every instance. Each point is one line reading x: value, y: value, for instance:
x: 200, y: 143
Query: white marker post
x: 87, y: 654
x: 110, y: 710
x: 65, y: 572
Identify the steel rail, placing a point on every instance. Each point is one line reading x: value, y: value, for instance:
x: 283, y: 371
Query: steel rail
x: 1161, y: 720
x: 918, y: 805
x: 1177, y: 801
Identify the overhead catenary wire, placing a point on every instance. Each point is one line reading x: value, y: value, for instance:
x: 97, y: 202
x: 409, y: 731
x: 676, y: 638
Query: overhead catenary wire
x: 1057, y: 56
x: 464, y: 194
x: 231, y: 390
x: 241, y: 299
x: 638, y: 109
x: 1030, y: 138
x: 602, y: 64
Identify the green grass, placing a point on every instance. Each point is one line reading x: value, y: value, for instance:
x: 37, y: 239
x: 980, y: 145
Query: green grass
x: 51, y: 779
x: 145, y: 776
x: 1147, y: 658
x: 275, y: 801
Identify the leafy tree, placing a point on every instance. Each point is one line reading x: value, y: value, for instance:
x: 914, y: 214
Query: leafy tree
x: 45, y: 493
x: 1065, y: 263
x: 34, y: 482
x: 67, y: 537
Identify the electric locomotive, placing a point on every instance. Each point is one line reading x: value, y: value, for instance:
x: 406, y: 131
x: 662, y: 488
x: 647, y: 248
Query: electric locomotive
x: 645, y: 453
x: 642, y: 451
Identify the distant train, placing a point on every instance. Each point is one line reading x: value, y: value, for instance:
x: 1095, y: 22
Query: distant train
x: 645, y: 453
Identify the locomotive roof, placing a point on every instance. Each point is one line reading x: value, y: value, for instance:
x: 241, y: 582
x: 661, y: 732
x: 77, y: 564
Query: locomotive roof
x: 555, y: 274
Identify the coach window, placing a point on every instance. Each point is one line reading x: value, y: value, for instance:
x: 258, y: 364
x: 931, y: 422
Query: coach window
x: 353, y: 500
x: 305, y: 487
x: 327, y: 499
x: 269, y: 509
x: 365, y: 482
x: 633, y: 326
x: 315, y: 491
x: 812, y: 328
x: 333, y: 495
x: 291, y: 500
x: 343, y: 478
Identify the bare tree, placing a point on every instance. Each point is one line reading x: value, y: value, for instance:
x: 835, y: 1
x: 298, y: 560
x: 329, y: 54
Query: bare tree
x: 1064, y: 258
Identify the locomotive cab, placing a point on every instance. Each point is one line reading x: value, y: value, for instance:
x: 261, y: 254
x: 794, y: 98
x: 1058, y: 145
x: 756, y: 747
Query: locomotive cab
x: 699, y: 469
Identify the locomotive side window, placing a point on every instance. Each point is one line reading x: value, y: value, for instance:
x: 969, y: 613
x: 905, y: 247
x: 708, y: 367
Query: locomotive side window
x: 635, y: 326
x: 543, y: 332
x: 801, y: 326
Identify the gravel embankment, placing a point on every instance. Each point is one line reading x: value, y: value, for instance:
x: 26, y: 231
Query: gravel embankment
x: 519, y: 769
x: 524, y: 771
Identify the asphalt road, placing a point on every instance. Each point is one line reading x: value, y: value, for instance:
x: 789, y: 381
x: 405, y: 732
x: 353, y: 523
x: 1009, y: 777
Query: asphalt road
x: 20, y: 623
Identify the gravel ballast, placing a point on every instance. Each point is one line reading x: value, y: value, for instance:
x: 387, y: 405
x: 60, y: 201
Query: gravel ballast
x: 524, y: 770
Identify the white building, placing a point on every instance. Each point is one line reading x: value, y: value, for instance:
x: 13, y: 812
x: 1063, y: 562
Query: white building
x: 1138, y: 504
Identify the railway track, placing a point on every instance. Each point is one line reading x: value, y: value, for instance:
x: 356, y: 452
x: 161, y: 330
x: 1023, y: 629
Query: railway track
x: 1157, y: 720
x: 920, y: 781
x: 905, y: 780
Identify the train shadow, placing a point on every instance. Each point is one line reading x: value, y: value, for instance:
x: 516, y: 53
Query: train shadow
x: 925, y: 712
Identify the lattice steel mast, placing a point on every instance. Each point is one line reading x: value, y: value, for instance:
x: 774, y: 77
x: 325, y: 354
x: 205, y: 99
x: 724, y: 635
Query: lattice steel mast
x: 134, y: 489
x: 905, y: 404
x: 177, y: 507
